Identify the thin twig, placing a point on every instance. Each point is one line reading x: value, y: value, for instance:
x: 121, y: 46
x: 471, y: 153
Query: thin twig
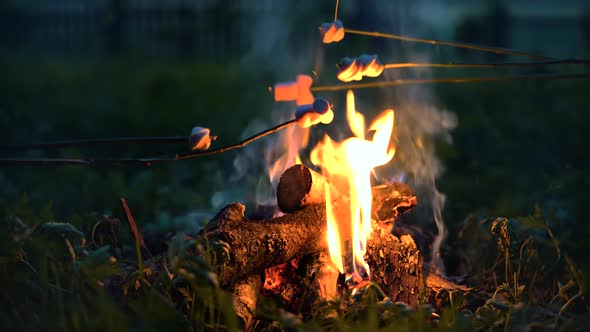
x: 97, y: 141
x: 486, y: 65
x: 496, y: 50
x: 447, y: 80
x: 241, y: 144
x: 143, y: 162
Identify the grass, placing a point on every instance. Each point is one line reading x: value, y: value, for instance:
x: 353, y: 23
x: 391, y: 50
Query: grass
x: 56, y: 276
x: 64, y: 267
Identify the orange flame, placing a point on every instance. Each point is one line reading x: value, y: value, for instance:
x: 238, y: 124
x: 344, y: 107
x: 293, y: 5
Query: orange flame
x: 285, y: 153
x: 347, y: 167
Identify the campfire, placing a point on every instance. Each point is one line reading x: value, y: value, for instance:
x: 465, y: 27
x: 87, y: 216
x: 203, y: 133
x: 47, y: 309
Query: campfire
x: 334, y: 233
x: 338, y: 221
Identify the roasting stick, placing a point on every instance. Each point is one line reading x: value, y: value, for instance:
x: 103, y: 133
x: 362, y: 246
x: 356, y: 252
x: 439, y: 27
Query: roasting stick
x: 354, y: 69
x: 447, y: 80
x: 486, y: 65
x: 96, y: 141
x: 138, y: 161
x: 241, y: 144
x: 157, y: 160
x: 489, y: 49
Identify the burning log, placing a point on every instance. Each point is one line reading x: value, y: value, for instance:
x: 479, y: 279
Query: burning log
x: 244, y: 249
x: 300, y: 186
x: 252, y: 246
x: 396, y: 264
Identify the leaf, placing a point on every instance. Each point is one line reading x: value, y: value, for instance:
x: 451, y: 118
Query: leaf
x: 64, y: 230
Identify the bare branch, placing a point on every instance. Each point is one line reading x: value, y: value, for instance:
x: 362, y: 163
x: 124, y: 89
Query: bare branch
x: 486, y: 65
x: 448, y: 43
x: 448, y: 80
x: 135, y: 162
x: 97, y: 141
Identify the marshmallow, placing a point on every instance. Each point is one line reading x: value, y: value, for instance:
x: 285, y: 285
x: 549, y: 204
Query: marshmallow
x: 332, y: 32
x: 303, y: 109
x: 321, y: 106
x: 306, y: 116
x: 200, y: 138
x: 311, y: 114
x: 354, y: 69
x: 299, y: 91
x: 327, y: 117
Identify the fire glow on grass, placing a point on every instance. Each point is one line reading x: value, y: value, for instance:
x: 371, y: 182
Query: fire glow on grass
x: 347, y: 167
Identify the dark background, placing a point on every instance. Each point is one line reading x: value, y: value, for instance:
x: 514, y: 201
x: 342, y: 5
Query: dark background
x: 91, y: 69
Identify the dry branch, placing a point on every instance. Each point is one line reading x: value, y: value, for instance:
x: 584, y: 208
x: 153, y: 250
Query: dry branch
x: 134, y: 162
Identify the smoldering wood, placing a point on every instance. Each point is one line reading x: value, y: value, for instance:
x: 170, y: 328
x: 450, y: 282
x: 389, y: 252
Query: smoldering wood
x: 438, y: 288
x: 300, y: 186
x: 391, y: 200
x: 326, y: 279
x: 395, y: 263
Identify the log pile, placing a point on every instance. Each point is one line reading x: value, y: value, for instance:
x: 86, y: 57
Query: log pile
x: 297, y: 241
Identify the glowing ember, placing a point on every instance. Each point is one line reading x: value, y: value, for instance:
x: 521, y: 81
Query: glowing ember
x: 347, y: 167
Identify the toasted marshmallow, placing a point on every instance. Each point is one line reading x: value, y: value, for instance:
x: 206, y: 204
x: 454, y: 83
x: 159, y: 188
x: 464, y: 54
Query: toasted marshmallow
x: 332, y: 32
x: 311, y: 114
x: 355, y: 69
x: 200, y: 138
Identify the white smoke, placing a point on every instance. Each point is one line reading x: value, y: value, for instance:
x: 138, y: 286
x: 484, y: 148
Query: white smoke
x: 420, y: 124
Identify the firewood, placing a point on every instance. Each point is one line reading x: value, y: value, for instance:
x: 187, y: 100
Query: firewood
x: 300, y: 186
x: 245, y: 296
x: 251, y: 246
x: 396, y: 264
x: 326, y: 280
